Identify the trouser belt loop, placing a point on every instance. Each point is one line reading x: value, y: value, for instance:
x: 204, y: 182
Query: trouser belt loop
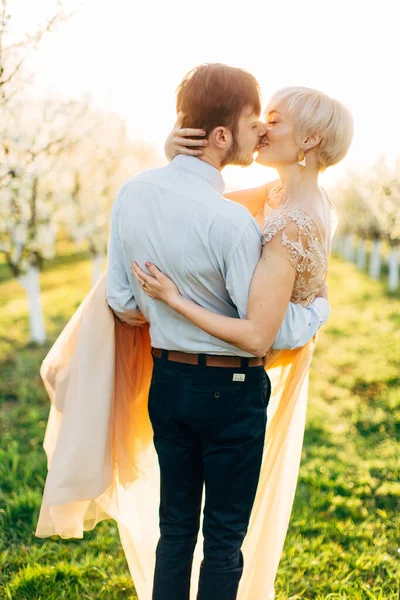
x: 202, y: 361
x: 164, y: 355
x: 245, y: 363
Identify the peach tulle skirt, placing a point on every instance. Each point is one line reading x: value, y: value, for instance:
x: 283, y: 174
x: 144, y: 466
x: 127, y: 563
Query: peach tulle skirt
x: 101, y: 458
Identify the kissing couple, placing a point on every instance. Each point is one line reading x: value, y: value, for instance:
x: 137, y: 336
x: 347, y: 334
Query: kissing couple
x: 179, y: 387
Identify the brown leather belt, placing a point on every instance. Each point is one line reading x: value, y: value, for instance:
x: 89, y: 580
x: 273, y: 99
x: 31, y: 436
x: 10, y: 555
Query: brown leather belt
x: 211, y: 360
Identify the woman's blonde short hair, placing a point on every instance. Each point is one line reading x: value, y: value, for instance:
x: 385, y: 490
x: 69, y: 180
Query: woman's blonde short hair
x: 315, y: 113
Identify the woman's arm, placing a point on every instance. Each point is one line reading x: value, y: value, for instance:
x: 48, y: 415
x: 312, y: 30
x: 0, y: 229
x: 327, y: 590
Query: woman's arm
x: 253, y: 199
x: 270, y: 293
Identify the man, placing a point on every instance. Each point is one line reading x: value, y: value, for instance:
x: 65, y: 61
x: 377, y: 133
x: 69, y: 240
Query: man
x: 208, y: 399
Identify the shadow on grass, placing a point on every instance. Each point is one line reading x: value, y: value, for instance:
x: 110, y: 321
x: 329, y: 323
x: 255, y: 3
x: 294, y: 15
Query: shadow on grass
x: 371, y: 390
x: 57, y: 263
x: 316, y: 436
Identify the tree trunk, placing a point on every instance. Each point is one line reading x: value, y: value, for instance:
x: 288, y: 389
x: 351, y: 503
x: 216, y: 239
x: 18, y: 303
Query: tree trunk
x: 349, y: 247
x: 393, y: 269
x: 361, y: 255
x: 31, y: 283
x: 340, y: 244
x: 97, y: 267
x: 336, y: 244
x: 375, y: 260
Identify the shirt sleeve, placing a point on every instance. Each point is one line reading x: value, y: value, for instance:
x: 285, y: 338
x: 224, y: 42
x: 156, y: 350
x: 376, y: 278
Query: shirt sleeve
x: 119, y: 292
x: 301, y: 324
x: 241, y: 264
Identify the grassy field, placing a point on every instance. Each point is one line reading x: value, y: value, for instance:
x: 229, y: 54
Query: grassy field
x: 342, y: 539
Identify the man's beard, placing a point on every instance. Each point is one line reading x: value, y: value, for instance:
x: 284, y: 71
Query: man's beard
x: 236, y: 156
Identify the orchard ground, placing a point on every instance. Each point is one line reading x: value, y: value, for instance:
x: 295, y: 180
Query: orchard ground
x: 343, y: 540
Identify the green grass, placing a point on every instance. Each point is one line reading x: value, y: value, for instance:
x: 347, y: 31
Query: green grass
x: 342, y: 538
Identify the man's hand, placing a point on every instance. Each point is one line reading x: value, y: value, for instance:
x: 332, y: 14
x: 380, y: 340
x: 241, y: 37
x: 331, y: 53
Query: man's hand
x: 323, y: 292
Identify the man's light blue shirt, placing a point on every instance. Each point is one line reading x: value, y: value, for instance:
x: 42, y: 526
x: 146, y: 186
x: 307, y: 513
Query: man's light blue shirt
x: 176, y: 217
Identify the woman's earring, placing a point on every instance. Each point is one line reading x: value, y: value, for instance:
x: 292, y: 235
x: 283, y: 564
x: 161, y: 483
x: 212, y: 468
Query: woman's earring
x: 301, y: 158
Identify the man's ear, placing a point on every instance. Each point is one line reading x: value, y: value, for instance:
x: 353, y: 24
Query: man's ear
x: 311, y: 142
x: 222, y: 137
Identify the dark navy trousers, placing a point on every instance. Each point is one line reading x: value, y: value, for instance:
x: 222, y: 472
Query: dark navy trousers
x: 209, y: 429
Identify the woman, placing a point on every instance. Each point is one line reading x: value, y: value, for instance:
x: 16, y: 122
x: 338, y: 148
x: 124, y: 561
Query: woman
x: 98, y: 372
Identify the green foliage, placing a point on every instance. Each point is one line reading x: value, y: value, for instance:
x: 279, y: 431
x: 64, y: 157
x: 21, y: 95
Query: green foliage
x: 342, y: 538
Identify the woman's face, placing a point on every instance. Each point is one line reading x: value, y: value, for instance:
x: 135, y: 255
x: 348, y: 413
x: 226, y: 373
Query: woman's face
x: 280, y: 145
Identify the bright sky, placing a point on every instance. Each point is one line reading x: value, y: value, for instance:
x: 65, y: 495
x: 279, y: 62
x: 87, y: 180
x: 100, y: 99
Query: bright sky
x: 130, y: 56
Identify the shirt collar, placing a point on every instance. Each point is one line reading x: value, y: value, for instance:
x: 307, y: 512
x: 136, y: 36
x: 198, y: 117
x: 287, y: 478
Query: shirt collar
x: 193, y: 164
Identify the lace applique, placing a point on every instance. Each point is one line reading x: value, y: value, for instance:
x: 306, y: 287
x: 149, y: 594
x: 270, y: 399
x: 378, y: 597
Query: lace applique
x: 307, y: 254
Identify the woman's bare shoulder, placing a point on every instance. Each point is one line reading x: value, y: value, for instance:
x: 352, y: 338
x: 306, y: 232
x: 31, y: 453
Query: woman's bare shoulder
x: 253, y: 198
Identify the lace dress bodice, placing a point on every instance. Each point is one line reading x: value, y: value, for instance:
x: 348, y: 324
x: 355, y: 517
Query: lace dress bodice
x: 306, y: 251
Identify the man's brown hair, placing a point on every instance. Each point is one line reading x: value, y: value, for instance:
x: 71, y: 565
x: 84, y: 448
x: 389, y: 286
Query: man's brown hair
x: 214, y: 95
